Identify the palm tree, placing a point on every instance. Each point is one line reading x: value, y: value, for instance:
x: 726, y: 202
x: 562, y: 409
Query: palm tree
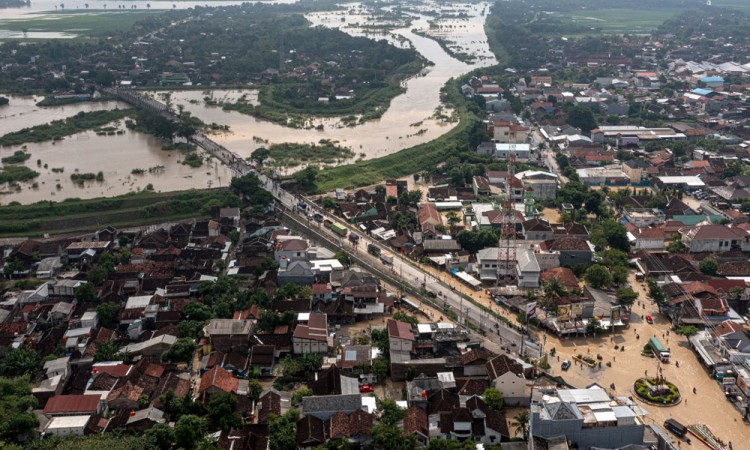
x: 452, y: 218
x: 521, y: 424
x: 553, y: 289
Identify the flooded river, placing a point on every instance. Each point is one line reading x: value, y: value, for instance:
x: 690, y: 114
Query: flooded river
x: 409, y: 120
x: 22, y: 112
x: 116, y: 156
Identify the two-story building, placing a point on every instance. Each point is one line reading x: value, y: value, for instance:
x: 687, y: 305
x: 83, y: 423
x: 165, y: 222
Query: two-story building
x: 229, y: 334
x: 715, y: 238
x: 311, y: 334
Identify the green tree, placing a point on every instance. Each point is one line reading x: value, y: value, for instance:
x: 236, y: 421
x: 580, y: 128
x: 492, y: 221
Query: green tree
x: 260, y: 155
x: 404, y: 317
x: 389, y: 412
x: 655, y: 292
x: 198, y: 311
x: 20, y: 361
x: 709, y: 266
x: 17, y: 422
x: 189, y: 430
x: 85, y: 293
x: 181, y: 351
x: 161, y: 435
x: 626, y: 296
x: 676, y: 245
x: 392, y: 437
x: 328, y: 203
x: 344, y: 258
x: 619, y: 275
x: 473, y: 241
x: 192, y: 329
x: 306, y: 178
x: 687, y: 330
x: 581, y: 117
x: 494, y: 399
x: 107, y: 314
x: 106, y: 351
x: 222, y: 410
x: 254, y: 389
x: 282, y: 431
x: 299, y: 394
x: 170, y: 404
x: 410, y: 198
x: 453, y: 218
x: 521, y: 424
x: 250, y: 188
x: 597, y: 276
x: 593, y: 326
x: 380, y: 368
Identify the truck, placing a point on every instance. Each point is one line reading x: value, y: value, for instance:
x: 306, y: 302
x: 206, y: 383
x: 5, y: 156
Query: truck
x: 339, y: 229
x: 658, y: 349
x: 373, y: 249
x: 675, y: 427
x: 386, y: 257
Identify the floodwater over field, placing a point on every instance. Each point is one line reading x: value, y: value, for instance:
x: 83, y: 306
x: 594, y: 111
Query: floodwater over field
x: 37, y: 6
x: 116, y: 156
x: 22, y: 112
x: 409, y: 120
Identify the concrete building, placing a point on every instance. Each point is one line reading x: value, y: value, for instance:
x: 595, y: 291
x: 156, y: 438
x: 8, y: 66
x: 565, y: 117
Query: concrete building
x: 509, y: 132
x: 67, y: 425
x: 588, y: 418
x: 715, y: 238
x: 503, y: 150
x: 542, y: 184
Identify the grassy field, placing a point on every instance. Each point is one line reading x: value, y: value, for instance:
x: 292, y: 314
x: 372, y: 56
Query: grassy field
x: 135, y: 209
x: 613, y: 21
x: 742, y: 5
x: 85, y: 24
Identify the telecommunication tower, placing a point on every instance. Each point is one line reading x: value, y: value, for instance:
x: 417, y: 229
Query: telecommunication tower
x: 506, y: 255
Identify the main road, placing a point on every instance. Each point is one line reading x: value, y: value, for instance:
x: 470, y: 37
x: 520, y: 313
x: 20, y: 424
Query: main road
x: 407, y: 273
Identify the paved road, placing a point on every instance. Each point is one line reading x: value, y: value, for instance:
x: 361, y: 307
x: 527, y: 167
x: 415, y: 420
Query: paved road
x: 405, y: 270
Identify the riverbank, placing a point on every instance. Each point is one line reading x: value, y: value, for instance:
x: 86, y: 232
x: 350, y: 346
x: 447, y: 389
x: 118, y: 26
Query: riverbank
x: 411, y: 160
x: 135, y: 209
x: 58, y: 129
x: 274, y: 105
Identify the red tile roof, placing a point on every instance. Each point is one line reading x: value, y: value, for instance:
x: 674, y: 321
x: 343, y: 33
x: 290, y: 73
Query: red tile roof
x: 72, y: 404
x: 116, y: 370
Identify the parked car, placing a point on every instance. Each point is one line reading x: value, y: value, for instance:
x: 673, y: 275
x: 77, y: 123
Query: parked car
x: 649, y: 319
x: 366, y: 388
x: 566, y: 364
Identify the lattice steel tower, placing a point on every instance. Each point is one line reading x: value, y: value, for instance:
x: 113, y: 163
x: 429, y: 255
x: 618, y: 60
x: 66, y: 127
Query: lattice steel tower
x: 506, y: 255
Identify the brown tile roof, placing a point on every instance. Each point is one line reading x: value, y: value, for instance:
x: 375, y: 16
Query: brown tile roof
x: 501, y: 365
x: 565, y: 275
x: 400, y: 330
x: 220, y: 379
x: 472, y: 386
x: 476, y: 356
x: 415, y: 421
x: 442, y: 400
x: 726, y: 327
x: 736, y: 268
x: 355, y: 424
x: 566, y: 243
x: 72, y: 404
x: 310, y: 431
